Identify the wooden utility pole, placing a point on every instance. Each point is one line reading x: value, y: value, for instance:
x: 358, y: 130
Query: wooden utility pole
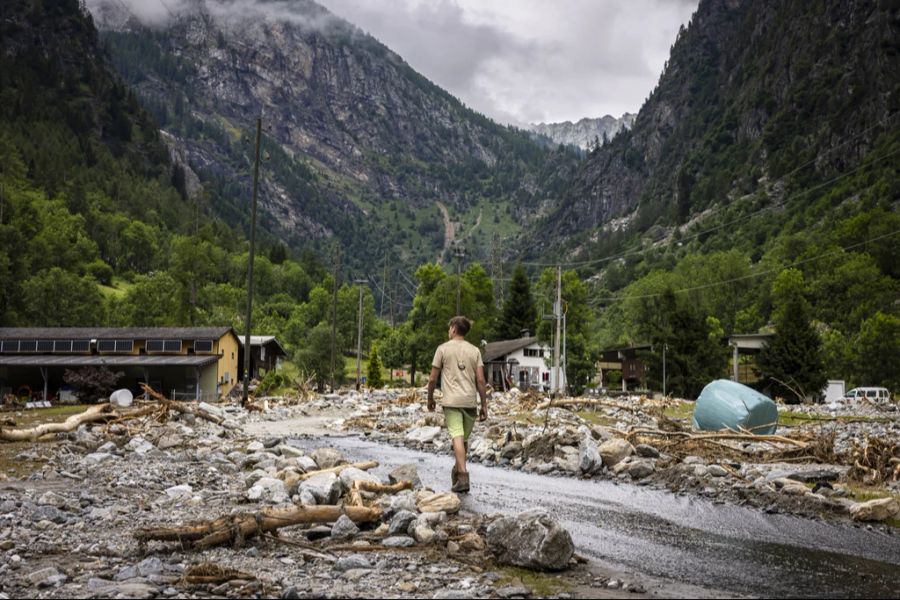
x: 557, y: 312
x: 337, y: 274
x: 359, y: 332
x: 383, y: 288
x: 247, y: 347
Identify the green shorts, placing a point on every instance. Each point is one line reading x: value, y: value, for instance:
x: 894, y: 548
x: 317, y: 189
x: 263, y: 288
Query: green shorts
x: 460, y: 421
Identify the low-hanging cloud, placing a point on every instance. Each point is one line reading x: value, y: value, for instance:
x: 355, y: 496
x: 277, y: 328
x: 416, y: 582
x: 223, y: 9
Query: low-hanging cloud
x: 517, y: 61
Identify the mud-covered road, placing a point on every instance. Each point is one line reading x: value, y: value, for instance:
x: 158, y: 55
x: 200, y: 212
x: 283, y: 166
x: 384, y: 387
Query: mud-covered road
x: 669, y: 539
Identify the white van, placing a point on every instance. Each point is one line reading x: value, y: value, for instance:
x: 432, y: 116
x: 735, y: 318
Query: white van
x: 872, y: 394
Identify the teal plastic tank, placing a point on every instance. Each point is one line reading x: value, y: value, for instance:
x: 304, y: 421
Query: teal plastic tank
x: 724, y: 404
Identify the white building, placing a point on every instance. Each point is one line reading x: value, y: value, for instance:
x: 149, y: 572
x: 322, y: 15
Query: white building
x: 521, y: 363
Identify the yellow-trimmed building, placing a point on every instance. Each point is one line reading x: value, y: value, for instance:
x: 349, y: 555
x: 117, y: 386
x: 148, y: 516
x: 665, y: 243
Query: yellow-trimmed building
x: 195, y: 363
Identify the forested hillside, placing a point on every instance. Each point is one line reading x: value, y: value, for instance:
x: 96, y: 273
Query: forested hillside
x: 362, y: 147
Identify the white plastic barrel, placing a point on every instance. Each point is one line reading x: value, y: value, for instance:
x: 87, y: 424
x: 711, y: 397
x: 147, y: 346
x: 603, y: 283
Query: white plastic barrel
x: 121, y: 398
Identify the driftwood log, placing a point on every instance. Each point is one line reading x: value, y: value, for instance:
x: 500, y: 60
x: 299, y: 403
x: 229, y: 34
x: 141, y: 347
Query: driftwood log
x: 94, y: 414
x: 354, y: 498
x: 291, y: 479
x: 239, y: 527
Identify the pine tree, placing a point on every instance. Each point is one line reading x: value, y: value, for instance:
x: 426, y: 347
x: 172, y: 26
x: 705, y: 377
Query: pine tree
x: 373, y: 374
x: 792, y: 362
x: 518, y: 310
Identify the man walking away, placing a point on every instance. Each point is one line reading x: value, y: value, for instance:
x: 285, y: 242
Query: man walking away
x: 458, y: 365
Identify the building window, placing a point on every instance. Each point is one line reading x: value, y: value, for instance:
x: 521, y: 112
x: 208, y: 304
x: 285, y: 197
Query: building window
x: 203, y: 346
x: 45, y: 346
x: 163, y: 346
x: 534, y: 352
x: 115, y: 345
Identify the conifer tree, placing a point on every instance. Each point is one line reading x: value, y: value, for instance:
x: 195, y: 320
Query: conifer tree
x: 792, y: 363
x: 373, y: 374
x: 518, y: 310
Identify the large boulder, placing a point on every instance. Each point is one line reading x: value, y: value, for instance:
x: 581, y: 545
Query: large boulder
x: 407, y: 472
x: 589, y: 459
x: 880, y: 509
x: 327, y: 458
x: 533, y: 540
x: 446, y: 502
x: 268, y: 489
x: 615, y: 451
x: 423, y: 435
x: 351, y: 474
x: 325, y: 488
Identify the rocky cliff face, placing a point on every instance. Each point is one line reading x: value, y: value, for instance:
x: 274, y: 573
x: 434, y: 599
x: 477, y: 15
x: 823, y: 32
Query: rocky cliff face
x: 585, y: 133
x: 752, y: 91
x: 362, y: 146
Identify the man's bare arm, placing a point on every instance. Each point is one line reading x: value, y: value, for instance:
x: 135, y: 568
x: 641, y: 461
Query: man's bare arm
x: 482, y: 391
x: 432, y: 383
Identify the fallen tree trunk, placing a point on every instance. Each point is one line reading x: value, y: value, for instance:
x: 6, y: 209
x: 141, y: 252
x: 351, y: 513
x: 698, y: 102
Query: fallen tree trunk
x: 355, y: 497
x: 182, y: 407
x: 291, y: 479
x: 237, y: 528
x: 100, y: 412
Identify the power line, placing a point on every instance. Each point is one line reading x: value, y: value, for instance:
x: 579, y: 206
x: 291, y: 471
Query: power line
x: 597, y: 301
x: 749, y: 215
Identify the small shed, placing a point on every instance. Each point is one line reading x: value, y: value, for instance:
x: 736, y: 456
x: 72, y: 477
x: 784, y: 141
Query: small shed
x: 266, y: 353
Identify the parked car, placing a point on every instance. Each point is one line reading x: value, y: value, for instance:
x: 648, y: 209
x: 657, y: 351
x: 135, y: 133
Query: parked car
x: 873, y: 394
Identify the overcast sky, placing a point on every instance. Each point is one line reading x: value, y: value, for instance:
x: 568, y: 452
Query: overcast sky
x: 524, y: 61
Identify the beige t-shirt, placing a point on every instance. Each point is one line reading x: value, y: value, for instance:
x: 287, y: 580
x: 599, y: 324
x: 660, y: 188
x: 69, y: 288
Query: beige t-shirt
x: 458, y: 361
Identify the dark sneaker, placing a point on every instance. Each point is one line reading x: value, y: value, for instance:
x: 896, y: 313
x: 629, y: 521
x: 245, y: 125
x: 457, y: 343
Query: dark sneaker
x: 454, y: 475
x: 462, y: 483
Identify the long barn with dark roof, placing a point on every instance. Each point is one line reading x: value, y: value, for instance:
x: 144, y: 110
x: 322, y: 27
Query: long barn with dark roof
x: 181, y: 362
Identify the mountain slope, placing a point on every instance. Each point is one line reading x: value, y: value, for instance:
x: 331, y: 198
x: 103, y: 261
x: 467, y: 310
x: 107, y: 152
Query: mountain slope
x: 585, y: 133
x: 363, y: 147
x: 758, y: 97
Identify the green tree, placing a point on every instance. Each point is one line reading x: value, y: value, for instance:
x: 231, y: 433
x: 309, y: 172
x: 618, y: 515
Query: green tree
x: 876, y: 352
x: 373, y: 374
x: 519, y: 311
x: 791, y: 363
x: 57, y: 298
x: 314, y: 356
x: 150, y: 302
x: 694, y: 353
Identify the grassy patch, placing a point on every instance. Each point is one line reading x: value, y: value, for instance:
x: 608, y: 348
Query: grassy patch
x: 118, y: 288
x: 682, y: 410
x: 597, y: 418
x: 792, y: 419
x: 540, y: 584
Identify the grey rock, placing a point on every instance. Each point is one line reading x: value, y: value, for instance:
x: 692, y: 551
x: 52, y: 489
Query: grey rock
x: 639, y: 469
x: 96, y: 458
x: 717, y: 471
x: 589, y: 459
x: 401, y: 521
x: 533, y: 540
x: 326, y: 458
x: 306, y: 464
x: 615, y: 451
x: 52, y: 499
x: 344, y: 528
x: 48, y: 513
x: 354, y: 561
x: 398, y: 541
x: 407, y: 472
x: 179, y: 491
x: 511, y: 450
x: 423, y: 435
x: 47, y: 577
x: 325, y: 488
x: 351, y: 474
x: 815, y: 475
x: 139, y: 446
x: 307, y: 498
x: 513, y: 591
x: 268, y: 489
x: 646, y: 451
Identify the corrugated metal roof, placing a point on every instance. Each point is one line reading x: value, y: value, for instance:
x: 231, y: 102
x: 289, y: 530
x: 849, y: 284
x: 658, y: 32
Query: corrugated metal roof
x: 263, y: 340
x: 43, y: 333
x: 495, y: 350
x: 137, y: 360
